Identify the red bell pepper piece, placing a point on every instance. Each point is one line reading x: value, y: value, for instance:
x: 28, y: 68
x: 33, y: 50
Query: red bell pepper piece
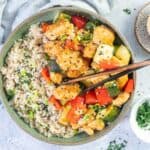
x: 73, y: 117
x: 70, y: 44
x: 44, y: 26
x: 79, y: 21
x: 90, y: 98
x: 108, y: 64
x: 78, y: 101
x: 55, y: 102
x: 76, y: 104
x: 129, y: 86
x: 45, y: 74
x: 103, y: 96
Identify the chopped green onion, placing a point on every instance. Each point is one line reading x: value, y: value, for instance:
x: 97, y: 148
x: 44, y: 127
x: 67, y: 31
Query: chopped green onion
x: 143, y: 115
x: 10, y: 93
x: 85, y: 37
x: 90, y: 26
x: 31, y: 114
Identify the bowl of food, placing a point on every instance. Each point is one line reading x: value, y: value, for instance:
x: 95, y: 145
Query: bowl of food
x: 140, y: 119
x: 54, y: 45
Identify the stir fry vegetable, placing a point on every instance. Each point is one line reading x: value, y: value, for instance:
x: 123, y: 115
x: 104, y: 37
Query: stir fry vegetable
x: 78, y: 46
x: 45, y: 74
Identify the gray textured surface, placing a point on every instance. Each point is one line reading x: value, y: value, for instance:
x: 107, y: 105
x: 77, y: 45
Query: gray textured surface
x: 13, y: 138
x: 141, y: 28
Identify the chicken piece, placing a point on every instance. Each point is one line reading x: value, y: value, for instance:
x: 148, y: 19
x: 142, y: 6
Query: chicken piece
x: 88, y: 117
x: 103, y: 34
x: 89, y: 50
x: 64, y: 93
x: 97, y: 124
x: 122, y: 81
x: 88, y: 130
x: 53, y: 49
x: 73, y: 73
x: 94, y: 80
x: 56, y: 77
x: 96, y: 66
x: 121, y: 99
x: 72, y: 63
x: 63, y: 115
x: 60, y: 28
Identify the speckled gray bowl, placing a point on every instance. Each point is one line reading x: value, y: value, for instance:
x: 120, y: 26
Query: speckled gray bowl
x: 141, y: 27
x: 46, y: 15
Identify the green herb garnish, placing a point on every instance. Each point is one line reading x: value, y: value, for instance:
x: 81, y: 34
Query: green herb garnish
x: 90, y: 26
x: 63, y: 37
x: 112, y: 88
x: 127, y: 11
x: 10, y: 94
x: 85, y: 37
x: 143, y: 115
x: 97, y: 108
x: 31, y: 114
x: 114, y: 145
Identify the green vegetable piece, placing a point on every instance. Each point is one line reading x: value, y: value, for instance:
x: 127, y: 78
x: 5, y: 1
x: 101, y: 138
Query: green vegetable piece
x: 96, y: 22
x: 63, y: 37
x: 47, y: 56
x: 82, y: 86
x: 90, y: 26
x: 112, y: 88
x: 109, y: 114
x: 25, y: 76
x: 10, y: 94
x: 143, y: 115
x: 97, y: 108
x: 85, y: 37
x: 31, y: 114
x: 75, y: 131
x: 116, y: 48
x: 54, y: 67
x: 62, y: 16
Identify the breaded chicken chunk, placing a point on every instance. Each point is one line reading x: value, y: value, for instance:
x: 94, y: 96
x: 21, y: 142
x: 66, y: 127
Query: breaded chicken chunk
x: 89, y: 50
x: 52, y: 48
x: 64, y: 93
x: 94, y: 80
x: 61, y: 27
x: 56, y: 77
x: 72, y: 63
x: 103, y: 34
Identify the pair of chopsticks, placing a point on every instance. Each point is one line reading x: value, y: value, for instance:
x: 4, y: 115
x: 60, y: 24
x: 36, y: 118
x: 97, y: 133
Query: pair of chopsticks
x: 113, y: 74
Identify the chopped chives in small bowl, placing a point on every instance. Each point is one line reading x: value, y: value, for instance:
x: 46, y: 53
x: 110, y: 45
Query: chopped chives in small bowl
x: 143, y: 115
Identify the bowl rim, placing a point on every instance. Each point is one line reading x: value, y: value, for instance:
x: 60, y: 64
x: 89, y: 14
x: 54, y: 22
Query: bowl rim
x: 125, y: 108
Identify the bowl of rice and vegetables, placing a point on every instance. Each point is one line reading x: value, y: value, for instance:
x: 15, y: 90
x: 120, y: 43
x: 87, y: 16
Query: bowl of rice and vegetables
x: 55, y: 45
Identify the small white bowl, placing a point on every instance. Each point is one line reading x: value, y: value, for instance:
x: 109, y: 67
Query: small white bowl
x: 142, y: 134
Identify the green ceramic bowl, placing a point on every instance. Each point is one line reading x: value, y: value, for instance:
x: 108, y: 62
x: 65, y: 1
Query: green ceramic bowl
x: 45, y: 15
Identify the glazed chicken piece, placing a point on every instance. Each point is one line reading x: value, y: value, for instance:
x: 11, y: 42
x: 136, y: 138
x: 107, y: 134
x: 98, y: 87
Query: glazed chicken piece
x: 89, y: 50
x: 91, y: 81
x: 103, y: 34
x: 72, y: 63
x: 61, y: 27
x: 64, y: 93
x: 53, y: 49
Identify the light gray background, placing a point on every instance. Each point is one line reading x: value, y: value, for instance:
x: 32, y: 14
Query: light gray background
x: 13, y: 138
